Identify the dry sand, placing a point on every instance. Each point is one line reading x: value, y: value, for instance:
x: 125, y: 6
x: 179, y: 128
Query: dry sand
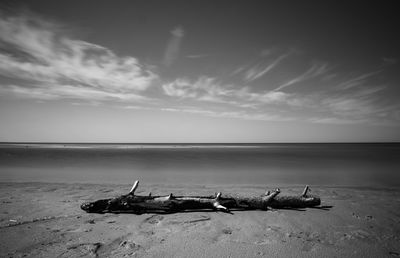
x: 45, y: 220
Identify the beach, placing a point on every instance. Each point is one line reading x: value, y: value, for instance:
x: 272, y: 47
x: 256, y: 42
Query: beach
x: 45, y: 220
x: 43, y: 185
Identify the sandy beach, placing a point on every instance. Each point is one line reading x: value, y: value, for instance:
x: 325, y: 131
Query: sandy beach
x: 45, y: 220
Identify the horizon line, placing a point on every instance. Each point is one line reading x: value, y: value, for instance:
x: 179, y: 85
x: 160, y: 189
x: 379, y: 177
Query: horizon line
x: 197, y: 143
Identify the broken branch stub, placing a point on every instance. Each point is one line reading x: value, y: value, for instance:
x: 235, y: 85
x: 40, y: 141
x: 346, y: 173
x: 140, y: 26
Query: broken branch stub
x: 133, y: 189
x: 131, y: 203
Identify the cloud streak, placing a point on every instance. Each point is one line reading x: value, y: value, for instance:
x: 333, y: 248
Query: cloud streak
x: 173, y: 46
x: 49, y: 92
x: 331, y: 105
x: 356, y: 81
x: 35, y: 51
x: 254, y: 73
x: 204, y: 88
x: 315, y: 70
x: 208, y: 89
x: 231, y: 114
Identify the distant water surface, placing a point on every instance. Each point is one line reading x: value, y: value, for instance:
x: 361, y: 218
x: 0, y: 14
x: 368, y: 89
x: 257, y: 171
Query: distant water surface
x: 235, y: 164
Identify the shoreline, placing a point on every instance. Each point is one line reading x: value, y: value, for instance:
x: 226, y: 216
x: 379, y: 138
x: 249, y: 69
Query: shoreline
x: 61, y: 145
x: 210, y: 186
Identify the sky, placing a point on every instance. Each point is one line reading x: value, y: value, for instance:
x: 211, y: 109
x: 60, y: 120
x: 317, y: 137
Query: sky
x: 199, y: 71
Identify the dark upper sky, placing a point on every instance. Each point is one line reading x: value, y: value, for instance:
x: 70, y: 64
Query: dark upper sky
x: 329, y: 67
x: 331, y: 28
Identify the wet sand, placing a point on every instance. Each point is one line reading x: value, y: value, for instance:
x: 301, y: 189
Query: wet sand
x: 45, y: 220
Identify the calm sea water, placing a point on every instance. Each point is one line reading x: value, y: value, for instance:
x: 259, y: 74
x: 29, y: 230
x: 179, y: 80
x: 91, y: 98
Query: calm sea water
x: 235, y: 164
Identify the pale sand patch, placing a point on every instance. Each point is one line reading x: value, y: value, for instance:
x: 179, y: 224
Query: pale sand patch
x: 45, y: 220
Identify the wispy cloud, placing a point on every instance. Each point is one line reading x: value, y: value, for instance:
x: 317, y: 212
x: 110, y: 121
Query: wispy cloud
x: 315, y: 70
x: 328, y: 104
x: 268, y: 97
x: 134, y: 107
x: 389, y: 61
x: 232, y: 114
x: 358, y: 80
x: 204, y: 88
x: 255, y: 72
x: 173, y: 46
x: 347, y: 106
x: 351, y: 106
x: 335, y: 120
x: 211, y: 90
x: 196, y: 56
x: 35, y: 50
x: 334, y: 107
x: 53, y: 92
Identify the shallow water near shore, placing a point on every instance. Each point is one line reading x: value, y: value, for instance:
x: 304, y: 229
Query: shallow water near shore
x: 376, y: 165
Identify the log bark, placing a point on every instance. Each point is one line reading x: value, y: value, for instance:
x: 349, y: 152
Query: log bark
x: 131, y: 203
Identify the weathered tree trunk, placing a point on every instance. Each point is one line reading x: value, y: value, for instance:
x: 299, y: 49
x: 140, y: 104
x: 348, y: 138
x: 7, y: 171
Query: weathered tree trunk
x: 131, y: 203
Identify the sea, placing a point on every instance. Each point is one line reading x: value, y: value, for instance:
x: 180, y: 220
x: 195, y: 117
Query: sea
x: 322, y: 164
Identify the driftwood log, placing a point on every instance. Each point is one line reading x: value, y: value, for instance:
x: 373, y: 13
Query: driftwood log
x: 131, y: 203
